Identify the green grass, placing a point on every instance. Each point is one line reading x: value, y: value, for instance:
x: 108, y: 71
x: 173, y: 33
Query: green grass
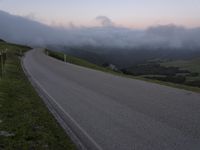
x: 78, y: 61
x: 23, y: 114
x: 190, y: 65
x: 87, y: 64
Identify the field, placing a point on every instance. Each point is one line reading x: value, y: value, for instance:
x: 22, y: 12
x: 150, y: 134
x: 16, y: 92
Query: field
x: 191, y: 65
x: 25, y: 122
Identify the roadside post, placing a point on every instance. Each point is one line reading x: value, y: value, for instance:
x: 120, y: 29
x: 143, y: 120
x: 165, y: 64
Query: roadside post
x: 4, y: 56
x: 65, y: 58
x: 1, y: 57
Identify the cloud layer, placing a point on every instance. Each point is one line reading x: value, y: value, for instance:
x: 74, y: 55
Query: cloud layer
x: 25, y: 31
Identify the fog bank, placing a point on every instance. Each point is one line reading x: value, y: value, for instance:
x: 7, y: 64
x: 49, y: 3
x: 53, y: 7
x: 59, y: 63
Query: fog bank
x: 25, y: 31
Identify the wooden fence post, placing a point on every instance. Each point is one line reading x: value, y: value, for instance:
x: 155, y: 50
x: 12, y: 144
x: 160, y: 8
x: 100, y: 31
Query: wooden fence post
x: 1, y: 57
x: 65, y: 58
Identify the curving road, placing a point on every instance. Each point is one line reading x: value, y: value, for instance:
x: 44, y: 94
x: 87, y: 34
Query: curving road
x: 115, y: 113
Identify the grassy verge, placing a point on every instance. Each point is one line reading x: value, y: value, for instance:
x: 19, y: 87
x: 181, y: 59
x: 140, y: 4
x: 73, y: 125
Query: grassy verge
x: 78, y: 61
x: 87, y: 64
x: 25, y: 122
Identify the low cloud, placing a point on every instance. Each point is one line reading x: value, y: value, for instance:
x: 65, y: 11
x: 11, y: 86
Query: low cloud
x: 25, y: 31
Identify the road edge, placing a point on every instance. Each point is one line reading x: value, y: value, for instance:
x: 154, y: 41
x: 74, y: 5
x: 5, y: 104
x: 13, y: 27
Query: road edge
x: 47, y: 100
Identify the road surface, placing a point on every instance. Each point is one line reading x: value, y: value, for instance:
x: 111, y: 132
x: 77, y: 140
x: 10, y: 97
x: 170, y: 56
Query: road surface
x: 114, y: 113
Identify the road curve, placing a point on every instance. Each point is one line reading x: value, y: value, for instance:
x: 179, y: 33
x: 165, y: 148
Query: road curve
x: 115, y: 113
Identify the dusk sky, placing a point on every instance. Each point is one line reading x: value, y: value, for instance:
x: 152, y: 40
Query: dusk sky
x: 127, y: 13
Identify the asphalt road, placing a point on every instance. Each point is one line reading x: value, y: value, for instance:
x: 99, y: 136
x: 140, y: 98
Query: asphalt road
x: 115, y: 113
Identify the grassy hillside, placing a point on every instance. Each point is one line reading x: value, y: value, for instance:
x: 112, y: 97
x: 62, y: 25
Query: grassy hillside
x: 192, y: 65
x: 25, y: 122
x: 78, y: 61
x: 122, y: 73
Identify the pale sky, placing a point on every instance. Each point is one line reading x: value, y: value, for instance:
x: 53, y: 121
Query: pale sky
x: 127, y: 13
